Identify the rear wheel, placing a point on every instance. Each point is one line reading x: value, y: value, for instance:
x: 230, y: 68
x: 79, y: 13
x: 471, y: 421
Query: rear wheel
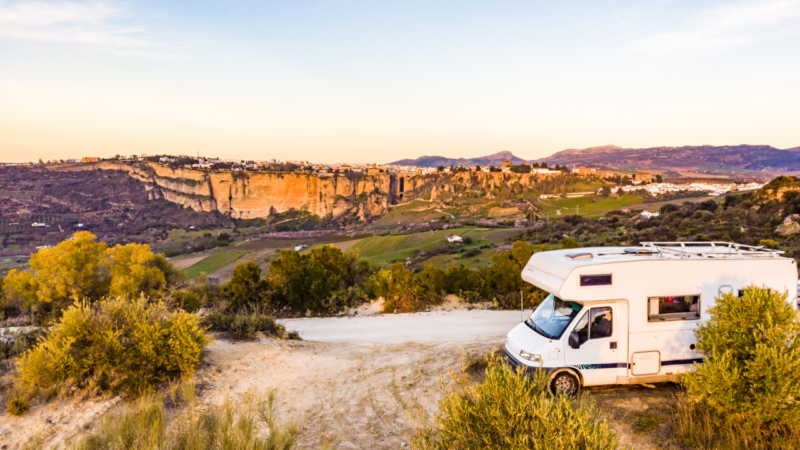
x: 565, y: 383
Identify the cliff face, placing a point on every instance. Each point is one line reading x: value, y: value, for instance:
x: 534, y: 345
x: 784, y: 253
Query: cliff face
x: 247, y: 195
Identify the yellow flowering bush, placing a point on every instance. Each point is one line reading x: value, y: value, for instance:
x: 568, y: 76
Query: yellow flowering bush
x: 114, y: 345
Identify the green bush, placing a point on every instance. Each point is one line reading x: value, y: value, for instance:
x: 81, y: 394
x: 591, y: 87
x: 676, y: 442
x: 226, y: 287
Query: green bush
x: 747, y: 385
x: 512, y: 410
x: 116, y: 345
x: 17, y: 407
x: 402, y: 290
x: 306, y: 282
x: 244, y: 325
x: 246, y: 289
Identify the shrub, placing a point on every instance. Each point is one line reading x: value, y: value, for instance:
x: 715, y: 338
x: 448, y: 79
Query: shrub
x: 17, y: 407
x: 769, y: 243
x: 116, y: 345
x: 515, y: 411
x: 748, y: 381
x: 81, y: 269
x: 304, y: 282
x: 244, y: 325
x: 467, y: 240
x: 246, y: 289
x: 569, y: 243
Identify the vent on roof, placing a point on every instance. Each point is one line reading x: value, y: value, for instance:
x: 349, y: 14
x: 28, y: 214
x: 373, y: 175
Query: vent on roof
x: 639, y: 251
x: 579, y: 255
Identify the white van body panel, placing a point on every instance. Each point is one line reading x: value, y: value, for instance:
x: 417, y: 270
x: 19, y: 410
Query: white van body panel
x: 706, y: 272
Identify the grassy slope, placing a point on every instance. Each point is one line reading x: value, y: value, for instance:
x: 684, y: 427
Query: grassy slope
x: 214, y: 262
x: 175, y: 235
x: 585, y: 207
x: 391, y: 248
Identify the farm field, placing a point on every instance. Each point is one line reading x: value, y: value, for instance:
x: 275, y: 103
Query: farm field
x: 392, y: 248
x: 180, y: 235
x: 213, y: 262
x: 584, y: 206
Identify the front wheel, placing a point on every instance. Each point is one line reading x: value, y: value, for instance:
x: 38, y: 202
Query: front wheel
x: 565, y: 383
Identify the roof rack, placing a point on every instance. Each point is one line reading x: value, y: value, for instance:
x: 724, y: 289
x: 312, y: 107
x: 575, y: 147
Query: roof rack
x: 710, y: 250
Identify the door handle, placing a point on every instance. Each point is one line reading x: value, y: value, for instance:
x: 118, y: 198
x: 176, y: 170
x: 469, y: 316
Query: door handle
x: 612, y: 345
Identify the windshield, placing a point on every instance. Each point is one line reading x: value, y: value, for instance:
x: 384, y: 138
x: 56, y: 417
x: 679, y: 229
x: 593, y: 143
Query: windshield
x: 553, y: 316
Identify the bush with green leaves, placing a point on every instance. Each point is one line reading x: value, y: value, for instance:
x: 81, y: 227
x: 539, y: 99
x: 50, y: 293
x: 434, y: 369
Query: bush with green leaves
x: 748, y: 384
x: 244, y: 325
x: 402, y: 290
x: 316, y: 281
x: 115, y: 345
x: 512, y: 410
x: 246, y: 289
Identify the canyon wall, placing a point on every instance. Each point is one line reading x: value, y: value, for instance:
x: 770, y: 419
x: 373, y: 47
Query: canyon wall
x: 247, y: 195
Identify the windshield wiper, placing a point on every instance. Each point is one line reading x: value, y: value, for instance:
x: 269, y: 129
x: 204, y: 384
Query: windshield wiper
x: 538, y: 329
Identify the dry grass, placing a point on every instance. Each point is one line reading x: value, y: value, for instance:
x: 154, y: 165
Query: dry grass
x: 248, y: 422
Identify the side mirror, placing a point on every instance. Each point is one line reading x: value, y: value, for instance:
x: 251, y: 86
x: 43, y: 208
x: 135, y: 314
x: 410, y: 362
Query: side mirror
x: 574, y: 340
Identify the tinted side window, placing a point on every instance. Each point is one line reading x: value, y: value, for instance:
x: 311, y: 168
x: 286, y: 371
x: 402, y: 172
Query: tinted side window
x: 596, y: 280
x: 601, y: 323
x: 683, y: 307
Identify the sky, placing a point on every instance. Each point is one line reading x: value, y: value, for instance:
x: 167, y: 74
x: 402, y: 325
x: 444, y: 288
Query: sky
x: 377, y: 81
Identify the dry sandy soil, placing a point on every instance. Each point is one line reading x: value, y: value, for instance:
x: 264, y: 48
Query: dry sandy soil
x: 353, y: 381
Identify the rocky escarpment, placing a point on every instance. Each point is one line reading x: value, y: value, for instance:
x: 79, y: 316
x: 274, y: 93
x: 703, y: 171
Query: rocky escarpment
x: 247, y: 195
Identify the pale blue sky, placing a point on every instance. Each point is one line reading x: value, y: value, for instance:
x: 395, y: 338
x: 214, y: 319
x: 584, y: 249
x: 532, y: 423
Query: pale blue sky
x: 366, y: 81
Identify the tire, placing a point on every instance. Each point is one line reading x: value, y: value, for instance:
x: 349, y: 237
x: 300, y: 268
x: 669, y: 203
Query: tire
x: 565, y: 382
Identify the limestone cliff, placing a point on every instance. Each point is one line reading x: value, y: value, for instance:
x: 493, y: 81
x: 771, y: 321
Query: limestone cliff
x: 247, y: 195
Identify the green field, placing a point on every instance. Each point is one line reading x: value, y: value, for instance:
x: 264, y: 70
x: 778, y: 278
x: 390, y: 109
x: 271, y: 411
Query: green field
x: 585, y: 207
x: 184, y: 235
x: 213, y: 263
x: 392, y: 248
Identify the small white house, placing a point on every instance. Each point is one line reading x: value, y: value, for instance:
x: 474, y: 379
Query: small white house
x: 620, y: 315
x: 648, y: 214
x: 454, y: 238
x: 299, y: 247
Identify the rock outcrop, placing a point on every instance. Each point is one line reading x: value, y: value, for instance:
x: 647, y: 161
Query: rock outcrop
x: 247, y: 195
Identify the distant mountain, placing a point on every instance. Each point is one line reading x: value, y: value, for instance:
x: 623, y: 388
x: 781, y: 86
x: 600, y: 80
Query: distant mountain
x: 793, y: 149
x: 436, y: 161
x: 724, y: 158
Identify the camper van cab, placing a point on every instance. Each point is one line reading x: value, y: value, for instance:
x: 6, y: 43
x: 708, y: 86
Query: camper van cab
x: 628, y: 315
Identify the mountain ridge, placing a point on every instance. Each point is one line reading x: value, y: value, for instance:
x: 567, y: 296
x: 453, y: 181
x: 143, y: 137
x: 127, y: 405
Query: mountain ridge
x: 494, y: 159
x: 722, y: 157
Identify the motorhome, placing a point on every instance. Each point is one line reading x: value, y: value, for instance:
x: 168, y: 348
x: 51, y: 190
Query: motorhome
x: 617, y: 315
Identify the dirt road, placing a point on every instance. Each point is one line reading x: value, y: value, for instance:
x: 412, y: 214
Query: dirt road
x: 453, y: 326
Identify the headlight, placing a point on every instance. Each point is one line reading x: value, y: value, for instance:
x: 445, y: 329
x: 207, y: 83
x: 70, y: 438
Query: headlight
x: 530, y: 356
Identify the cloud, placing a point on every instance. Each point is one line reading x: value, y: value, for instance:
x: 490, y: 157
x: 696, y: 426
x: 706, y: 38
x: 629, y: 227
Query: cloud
x: 727, y: 26
x: 97, y: 23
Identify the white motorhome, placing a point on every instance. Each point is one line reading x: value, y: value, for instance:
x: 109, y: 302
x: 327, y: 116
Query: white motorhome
x: 620, y: 315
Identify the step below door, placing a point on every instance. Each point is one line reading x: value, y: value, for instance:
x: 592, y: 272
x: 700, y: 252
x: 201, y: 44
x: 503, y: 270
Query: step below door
x: 645, y: 363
